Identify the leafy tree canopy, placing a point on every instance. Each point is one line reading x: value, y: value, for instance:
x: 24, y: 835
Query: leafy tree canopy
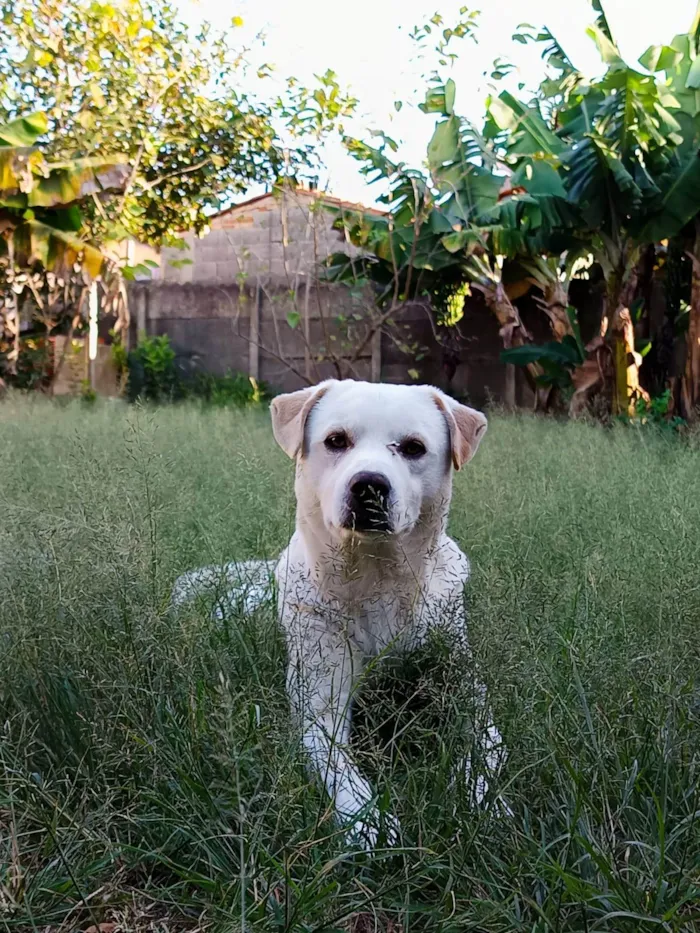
x: 130, y: 78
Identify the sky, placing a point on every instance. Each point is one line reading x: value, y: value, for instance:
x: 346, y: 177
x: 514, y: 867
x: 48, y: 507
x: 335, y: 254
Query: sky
x: 367, y: 44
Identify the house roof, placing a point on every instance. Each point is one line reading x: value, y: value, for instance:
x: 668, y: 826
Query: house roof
x: 299, y: 191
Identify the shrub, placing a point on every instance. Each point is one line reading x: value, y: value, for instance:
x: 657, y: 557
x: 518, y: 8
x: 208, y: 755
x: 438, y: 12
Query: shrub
x: 87, y: 393
x: 231, y: 389
x: 657, y: 412
x: 34, y: 363
x: 154, y: 373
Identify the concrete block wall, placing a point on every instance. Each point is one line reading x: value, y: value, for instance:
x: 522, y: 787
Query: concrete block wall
x: 213, y: 327
x: 275, y: 241
x: 258, y: 264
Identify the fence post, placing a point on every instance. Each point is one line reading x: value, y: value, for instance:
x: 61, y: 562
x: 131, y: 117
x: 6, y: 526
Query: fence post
x: 307, y: 332
x: 509, y: 387
x: 254, y: 336
x: 376, y: 362
x: 141, y: 314
x: 93, y: 304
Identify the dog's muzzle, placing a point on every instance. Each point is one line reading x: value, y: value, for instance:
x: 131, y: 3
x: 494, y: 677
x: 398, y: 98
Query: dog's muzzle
x: 367, y: 505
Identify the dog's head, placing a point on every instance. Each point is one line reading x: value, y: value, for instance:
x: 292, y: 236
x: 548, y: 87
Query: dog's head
x: 372, y: 459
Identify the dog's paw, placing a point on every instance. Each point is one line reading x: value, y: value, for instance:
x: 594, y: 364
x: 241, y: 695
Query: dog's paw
x: 372, y: 829
x: 478, y: 788
x: 362, y: 835
x: 501, y: 808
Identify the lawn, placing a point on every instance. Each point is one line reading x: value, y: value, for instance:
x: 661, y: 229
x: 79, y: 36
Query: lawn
x: 149, y: 774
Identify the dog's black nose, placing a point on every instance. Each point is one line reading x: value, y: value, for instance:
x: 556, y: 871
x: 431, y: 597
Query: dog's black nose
x: 370, y: 486
x: 368, y: 502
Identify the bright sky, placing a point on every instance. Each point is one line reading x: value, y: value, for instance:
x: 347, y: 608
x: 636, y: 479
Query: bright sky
x: 366, y: 42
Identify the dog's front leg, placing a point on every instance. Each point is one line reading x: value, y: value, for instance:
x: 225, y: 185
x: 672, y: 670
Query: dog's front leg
x: 490, y: 752
x: 320, y: 682
x: 483, y: 763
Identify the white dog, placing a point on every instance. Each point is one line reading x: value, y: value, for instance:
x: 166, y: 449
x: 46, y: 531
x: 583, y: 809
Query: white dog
x: 370, y: 567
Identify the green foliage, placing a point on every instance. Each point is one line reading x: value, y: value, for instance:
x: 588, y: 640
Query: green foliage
x: 87, y: 393
x: 120, y: 356
x: 132, y: 78
x: 233, y: 389
x: 154, y: 375
x: 23, y: 131
x: 595, y: 168
x: 41, y: 199
x: 602, y: 165
x: 558, y: 359
x: 316, y: 111
x: 128, y: 78
x: 47, y: 265
x: 34, y: 368
x: 657, y: 413
x: 630, y: 162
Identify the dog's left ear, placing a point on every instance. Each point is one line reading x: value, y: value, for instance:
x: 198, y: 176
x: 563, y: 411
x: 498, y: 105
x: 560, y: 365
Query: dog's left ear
x: 289, y: 413
x: 466, y: 425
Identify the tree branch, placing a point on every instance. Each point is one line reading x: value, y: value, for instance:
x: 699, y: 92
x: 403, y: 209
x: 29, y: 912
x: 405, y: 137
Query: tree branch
x: 185, y: 171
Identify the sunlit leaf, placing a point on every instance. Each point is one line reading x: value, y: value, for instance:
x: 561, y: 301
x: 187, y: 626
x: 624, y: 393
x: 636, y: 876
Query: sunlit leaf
x: 450, y: 91
x: 444, y: 145
x: 24, y: 131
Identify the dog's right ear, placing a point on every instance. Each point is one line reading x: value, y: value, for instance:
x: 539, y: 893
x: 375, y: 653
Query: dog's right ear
x: 289, y: 413
x: 467, y: 427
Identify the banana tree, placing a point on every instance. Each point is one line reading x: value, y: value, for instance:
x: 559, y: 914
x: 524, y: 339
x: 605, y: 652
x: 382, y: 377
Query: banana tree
x: 528, y: 223
x: 621, y: 161
x: 491, y: 213
x: 42, y: 252
x: 454, y: 227
x: 567, y: 365
x: 675, y: 212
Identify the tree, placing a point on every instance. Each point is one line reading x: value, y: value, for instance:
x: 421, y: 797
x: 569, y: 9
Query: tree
x: 630, y: 167
x: 676, y: 208
x: 601, y: 168
x: 128, y: 78
x: 456, y: 226
x: 44, y: 261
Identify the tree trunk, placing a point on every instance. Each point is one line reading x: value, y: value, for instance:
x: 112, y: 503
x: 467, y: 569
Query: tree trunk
x: 11, y: 315
x: 590, y: 377
x: 514, y: 334
x: 626, y: 362
x: 626, y: 389
x: 12, y: 326
x: 612, y: 364
x: 555, y: 304
x: 75, y: 321
x: 611, y: 369
x: 67, y: 344
x: 690, y: 383
x: 509, y: 386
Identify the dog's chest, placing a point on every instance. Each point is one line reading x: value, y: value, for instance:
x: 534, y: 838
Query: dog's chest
x: 392, y: 624
x: 375, y: 613
x: 388, y: 623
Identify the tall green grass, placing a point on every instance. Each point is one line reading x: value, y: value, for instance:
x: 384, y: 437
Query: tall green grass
x: 149, y: 773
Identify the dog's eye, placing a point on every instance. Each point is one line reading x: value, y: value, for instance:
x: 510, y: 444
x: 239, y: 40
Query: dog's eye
x: 337, y: 441
x: 412, y: 448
